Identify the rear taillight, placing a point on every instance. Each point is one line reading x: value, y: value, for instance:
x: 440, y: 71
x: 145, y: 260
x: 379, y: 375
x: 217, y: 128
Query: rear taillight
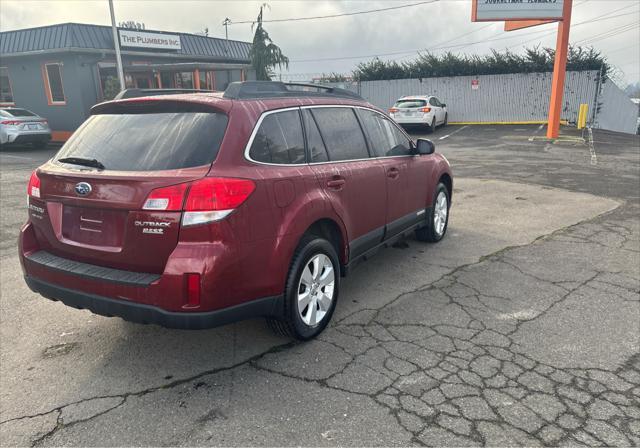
x: 33, y: 189
x: 10, y: 122
x: 393, y: 110
x: 166, y: 198
x: 426, y: 110
x: 207, y: 200
x: 213, y: 198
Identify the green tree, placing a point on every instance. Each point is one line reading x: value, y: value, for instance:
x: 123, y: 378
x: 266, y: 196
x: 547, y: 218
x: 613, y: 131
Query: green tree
x: 111, y: 88
x: 429, y: 65
x: 264, y: 54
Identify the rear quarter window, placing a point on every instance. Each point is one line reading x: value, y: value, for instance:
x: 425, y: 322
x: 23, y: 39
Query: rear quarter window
x: 279, y: 139
x: 148, y: 141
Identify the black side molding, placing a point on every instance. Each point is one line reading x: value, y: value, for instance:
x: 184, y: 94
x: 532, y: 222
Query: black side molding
x: 147, y: 314
x: 86, y: 270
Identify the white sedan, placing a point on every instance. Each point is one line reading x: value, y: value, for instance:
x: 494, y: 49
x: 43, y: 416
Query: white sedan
x: 419, y: 110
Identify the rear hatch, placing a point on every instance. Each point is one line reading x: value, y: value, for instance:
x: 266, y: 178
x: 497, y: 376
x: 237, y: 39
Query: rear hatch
x: 93, y: 191
x: 406, y: 108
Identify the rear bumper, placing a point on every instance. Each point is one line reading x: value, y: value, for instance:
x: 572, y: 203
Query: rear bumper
x: 419, y: 120
x: 147, y: 314
x: 27, y: 137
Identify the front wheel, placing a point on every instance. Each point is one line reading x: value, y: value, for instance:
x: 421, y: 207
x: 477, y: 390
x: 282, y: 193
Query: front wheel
x: 311, y: 290
x: 446, y: 119
x: 437, y: 218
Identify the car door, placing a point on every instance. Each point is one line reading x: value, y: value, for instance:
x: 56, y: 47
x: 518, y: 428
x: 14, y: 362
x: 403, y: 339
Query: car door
x: 353, y: 182
x: 435, y: 104
x: 405, y: 193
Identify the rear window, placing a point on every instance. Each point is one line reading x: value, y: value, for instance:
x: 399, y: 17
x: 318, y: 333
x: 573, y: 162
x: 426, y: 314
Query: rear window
x: 148, y: 141
x: 20, y: 113
x: 408, y: 104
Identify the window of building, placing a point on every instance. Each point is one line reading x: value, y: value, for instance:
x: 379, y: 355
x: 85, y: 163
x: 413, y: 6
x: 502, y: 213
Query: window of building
x: 184, y: 80
x: 279, y: 139
x: 53, y: 83
x: 341, y: 133
x: 6, y: 95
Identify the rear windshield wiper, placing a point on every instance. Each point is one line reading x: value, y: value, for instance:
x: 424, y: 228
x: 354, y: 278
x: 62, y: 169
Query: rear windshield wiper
x: 82, y: 161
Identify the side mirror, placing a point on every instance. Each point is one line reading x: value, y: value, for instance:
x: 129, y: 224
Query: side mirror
x: 425, y: 147
x: 444, y: 105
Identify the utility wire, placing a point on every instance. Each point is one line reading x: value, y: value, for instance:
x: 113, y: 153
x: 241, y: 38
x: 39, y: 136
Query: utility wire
x: 387, y: 54
x: 331, y: 16
x: 441, y: 47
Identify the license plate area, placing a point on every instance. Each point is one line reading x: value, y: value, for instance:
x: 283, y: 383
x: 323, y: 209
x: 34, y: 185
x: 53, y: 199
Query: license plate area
x: 94, y: 227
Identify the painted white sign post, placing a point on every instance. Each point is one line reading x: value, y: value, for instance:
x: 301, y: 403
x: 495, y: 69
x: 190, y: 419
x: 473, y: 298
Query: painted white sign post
x: 141, y: 39
x: 497, y: 10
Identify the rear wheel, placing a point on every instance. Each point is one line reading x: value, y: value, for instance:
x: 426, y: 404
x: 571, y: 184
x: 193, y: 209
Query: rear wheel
x: 437, y: 218
x: 432, y: 127
x: 311, y: 290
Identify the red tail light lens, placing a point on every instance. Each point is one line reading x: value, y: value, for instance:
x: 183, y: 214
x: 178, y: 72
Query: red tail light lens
x: 10, y: 122
x: 393, y: 110
x: 166, y: 198
x: 209, y: 199
x: 214, y: 193
x: 426, y: 110
x: 33, y: 189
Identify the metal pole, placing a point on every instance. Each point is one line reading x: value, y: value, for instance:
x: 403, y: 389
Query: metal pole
x: 116, y: 43
x: 226, y: 23
x: 594, y: 115
x: 559, y: 71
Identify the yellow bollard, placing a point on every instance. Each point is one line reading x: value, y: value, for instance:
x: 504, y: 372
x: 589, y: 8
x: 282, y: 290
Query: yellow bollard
x: 583, y: 112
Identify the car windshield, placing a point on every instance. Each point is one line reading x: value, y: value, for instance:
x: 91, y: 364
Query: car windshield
x: 409, y: 104
x: 147, y: 141
x: 20, y: 113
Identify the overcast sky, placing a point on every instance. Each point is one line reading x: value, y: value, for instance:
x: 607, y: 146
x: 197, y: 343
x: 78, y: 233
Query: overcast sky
x: 425, y: 26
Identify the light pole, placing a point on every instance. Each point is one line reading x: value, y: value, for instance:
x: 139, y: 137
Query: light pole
x: 116, y: 43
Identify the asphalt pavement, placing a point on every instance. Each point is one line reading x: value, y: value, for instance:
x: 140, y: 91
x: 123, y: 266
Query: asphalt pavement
x: 521, y: 327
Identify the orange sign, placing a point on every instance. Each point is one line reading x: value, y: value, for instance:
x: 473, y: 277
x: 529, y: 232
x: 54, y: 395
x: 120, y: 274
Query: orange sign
x: 513, y: 25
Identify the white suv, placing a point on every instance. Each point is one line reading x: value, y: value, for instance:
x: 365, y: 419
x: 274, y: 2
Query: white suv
x: 419, y: 110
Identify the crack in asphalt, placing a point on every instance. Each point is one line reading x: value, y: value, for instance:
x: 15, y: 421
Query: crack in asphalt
x: 462, y: 380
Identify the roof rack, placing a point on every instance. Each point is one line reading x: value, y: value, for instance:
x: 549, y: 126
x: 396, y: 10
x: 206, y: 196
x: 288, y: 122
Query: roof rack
x: 277, y: 89
x: 136, y: 93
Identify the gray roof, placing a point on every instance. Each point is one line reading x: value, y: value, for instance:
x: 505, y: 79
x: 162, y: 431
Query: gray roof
x: 70, y: 36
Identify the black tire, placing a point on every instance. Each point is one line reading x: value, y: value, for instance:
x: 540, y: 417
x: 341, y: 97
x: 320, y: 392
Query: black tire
x: 291, y: 323
x: 446, y: 120
x: 431, y: 128
x: 428, y: 233
x: 39, y: 145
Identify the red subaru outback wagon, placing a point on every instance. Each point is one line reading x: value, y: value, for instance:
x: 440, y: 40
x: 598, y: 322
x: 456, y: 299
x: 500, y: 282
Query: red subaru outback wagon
x: 196, y: 210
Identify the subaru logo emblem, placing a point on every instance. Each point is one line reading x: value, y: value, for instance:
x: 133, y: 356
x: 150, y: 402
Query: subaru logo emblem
x: 83, y: 188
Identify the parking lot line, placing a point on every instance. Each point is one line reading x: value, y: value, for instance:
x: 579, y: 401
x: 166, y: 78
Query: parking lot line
x: 16, y: 157
x: 454, y: 132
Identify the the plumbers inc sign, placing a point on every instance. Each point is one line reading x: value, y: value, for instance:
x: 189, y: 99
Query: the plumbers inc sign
x: 141, y: 39
x: 489, y: 10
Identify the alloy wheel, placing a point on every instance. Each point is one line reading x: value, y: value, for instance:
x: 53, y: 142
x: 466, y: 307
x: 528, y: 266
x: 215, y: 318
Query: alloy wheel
x: 440, y: 213
x: 316, y: 289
